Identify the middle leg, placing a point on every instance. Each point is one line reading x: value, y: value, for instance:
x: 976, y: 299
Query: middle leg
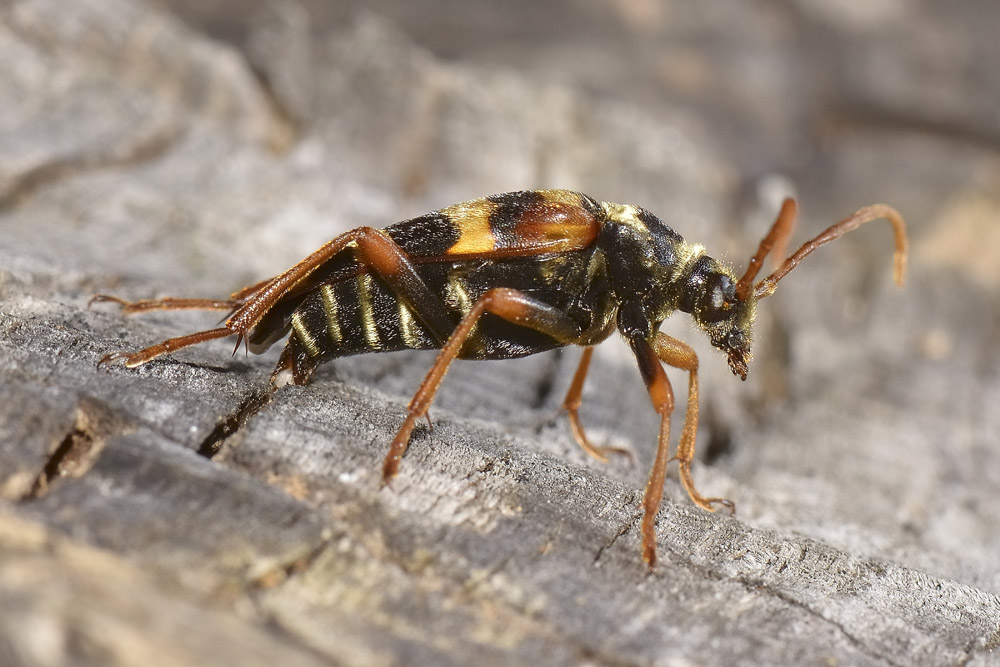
x: 574, y: 397
x: 510, y: 304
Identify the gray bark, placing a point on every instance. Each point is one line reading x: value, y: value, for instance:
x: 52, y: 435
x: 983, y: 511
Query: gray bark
x: 143, y: 158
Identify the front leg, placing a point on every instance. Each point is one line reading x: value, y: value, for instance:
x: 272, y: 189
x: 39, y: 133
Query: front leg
x: 680, y: 355
x: 662, y: 395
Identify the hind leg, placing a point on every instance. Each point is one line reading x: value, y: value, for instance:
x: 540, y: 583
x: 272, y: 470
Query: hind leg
x: 133, y: 359
x: 374, y: 251
x: 295, y: 366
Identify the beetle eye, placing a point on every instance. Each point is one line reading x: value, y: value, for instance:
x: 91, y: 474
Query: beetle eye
x: 719, y: 299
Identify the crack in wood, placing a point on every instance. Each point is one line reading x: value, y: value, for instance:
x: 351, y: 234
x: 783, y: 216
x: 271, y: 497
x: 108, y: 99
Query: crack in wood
x: 622, y: 530
x: 78, y: 451
x: 282, y: 572
x: 840, y: 627
x: 759, y: 586
x: 73, y: 448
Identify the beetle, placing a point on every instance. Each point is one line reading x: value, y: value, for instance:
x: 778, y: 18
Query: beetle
x: 507, y: 276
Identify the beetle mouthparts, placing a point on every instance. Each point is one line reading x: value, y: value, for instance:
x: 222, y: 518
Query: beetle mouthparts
x: 738, y: 363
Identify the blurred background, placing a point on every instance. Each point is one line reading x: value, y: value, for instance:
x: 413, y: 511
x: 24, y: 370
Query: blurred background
x: 188, y: 148
x: 833, y: 93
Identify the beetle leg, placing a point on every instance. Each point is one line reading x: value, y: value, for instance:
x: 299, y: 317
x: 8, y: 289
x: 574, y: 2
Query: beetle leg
x: 243, y: 294
x: 171, y: 344
x: 235, y: 300
x: 167, y: 303
x: 510, y: 304
x: 294, y: 365
x: 680, y: 355
x: 375, y: 251
x: 574, y: 398
x: 662, y: 396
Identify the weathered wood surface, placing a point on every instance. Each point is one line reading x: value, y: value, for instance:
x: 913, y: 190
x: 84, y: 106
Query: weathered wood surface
x: 139, y: 157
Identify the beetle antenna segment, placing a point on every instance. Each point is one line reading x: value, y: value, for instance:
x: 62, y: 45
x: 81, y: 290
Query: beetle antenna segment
x: 767, y: 286
x: 778, y: 237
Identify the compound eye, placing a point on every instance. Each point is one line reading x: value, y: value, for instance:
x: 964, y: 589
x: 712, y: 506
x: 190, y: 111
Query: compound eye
x: 719, y: 299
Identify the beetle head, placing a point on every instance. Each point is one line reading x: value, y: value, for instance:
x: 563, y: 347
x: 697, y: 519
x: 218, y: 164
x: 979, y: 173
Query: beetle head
x: 709, y: 295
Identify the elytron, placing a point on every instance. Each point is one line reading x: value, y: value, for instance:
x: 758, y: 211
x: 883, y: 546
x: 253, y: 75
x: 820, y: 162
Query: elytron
x: 507, y: 276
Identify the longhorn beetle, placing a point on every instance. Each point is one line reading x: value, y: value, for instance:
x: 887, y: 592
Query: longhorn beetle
x: 507, y: 276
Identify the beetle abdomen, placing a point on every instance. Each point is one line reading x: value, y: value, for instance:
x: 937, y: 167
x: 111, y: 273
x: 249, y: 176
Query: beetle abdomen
x: 362, y: 314
x: 355, y: 316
